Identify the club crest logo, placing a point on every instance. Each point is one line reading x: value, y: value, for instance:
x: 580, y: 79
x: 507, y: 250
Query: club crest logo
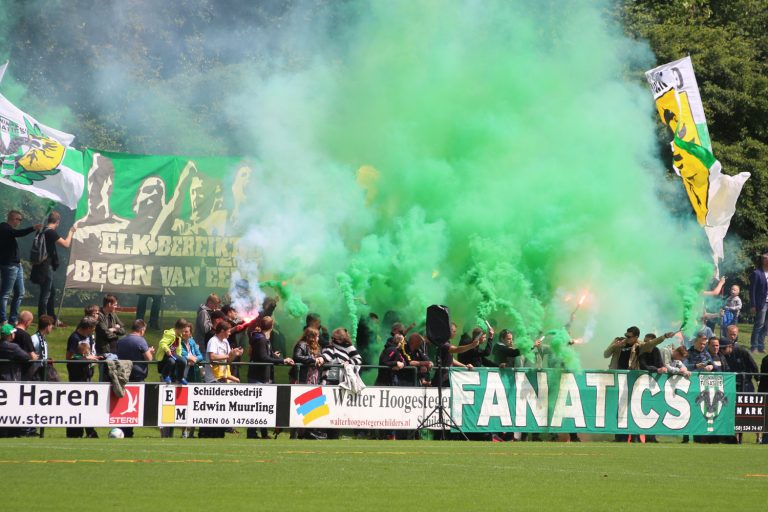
x: 27, y: 155
x: 712, y: 398
x: 125, y: 410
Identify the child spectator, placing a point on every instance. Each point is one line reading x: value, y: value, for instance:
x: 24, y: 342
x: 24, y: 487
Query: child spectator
x: 732, y: 309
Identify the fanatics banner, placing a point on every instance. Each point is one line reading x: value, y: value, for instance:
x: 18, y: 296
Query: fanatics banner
x: 157, y: 224
x: 506, y: 400
x: 65, y: 404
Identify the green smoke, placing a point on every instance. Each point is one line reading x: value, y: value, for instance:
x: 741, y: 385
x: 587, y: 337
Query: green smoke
x: 483, y: 155
x: 292, y: 302
x: 691, y: 298
x: 506, y: 156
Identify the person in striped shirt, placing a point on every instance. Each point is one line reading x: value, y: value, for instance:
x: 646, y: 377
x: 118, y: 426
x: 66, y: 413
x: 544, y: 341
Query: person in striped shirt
x: 339, y: 353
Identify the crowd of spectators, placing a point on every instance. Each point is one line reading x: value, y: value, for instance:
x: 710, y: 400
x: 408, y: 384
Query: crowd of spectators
x: 213, y: 347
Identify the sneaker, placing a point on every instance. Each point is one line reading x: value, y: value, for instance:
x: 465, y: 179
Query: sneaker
x: 59, y: 323
x: 318, y: 435
x: 184, y: 382
x: 184, y: 434
x: 496, y: 439
x: 167, y: 380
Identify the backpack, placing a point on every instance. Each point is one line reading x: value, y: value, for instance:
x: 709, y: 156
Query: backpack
x: 39, y: 252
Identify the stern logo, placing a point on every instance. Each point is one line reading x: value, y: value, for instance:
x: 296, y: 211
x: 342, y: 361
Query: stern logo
x: 712, y: 398
x: 125, y: 410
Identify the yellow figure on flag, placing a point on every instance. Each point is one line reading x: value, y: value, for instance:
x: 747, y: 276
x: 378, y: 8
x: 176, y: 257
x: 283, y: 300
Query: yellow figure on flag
x: 675, y: 111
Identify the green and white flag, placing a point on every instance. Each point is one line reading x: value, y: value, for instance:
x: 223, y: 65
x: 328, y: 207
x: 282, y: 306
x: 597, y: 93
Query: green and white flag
x: 37, y: 158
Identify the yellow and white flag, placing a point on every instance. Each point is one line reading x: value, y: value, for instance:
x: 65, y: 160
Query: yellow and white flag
x: 713, y: 195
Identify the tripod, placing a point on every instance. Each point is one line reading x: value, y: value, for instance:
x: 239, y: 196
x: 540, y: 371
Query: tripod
x: 444, y: 418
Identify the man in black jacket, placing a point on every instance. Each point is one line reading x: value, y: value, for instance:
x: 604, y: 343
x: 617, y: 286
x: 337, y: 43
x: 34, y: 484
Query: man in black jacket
x: 739, y: 360
x: 11, y: 273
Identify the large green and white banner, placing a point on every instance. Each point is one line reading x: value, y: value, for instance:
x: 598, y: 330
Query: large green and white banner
x: 506, y: 400
x: 157, y: 224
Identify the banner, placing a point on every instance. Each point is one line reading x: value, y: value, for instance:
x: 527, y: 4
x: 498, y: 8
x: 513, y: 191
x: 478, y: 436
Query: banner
x: 389, y: 408
x: 712, y: 194
x: 63, y: 404
x: 157, y: 224
x: 37, y: 158
x: 750, y: 412
x: 201, y: 405
x: 492, y: 400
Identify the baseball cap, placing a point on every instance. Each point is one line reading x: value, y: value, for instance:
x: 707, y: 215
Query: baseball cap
x: 8, y: 329
x: 725, y: 342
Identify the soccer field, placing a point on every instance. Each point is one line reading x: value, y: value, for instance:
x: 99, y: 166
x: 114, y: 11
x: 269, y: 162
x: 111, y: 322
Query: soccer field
x: 238, y: 474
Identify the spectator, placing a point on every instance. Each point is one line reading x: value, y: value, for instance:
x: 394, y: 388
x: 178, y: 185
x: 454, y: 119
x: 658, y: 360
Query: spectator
x: 505, y: 351
x: 23, y: 339
x: 220, y: 352
x: 445, y: 357
x: 191, y: 352
x: 109, y: 328
x: 313, y: 320
x: 12, y: 357
x: 266, y: 357
x: 46, y: 304
x: 154, y: 312
x: 307, y: 359
x: 262, y: 352
x: 699, y: 359
x: 739, y: 360
x: 625, y: 351
x: 341, y: 352
x: 417, y: 358
x: 306, y: 355
x: 45, y: 325
x: 476, y: 357
x: 650, y: 360
x: 204, y: 323
x: 676, y: 365
x: 80, y: 348
x: 169, y: 353
x: 238, y: 326
x: 758, y: 297
x: 762, y: 387
x: 11, y: 371
x: 92, y: 310
x: 719, y: 361
x: 391, y: 361
x: 216, y: 318
x: 134, y: 347
x: 11, y: 272
x: 731, y: 309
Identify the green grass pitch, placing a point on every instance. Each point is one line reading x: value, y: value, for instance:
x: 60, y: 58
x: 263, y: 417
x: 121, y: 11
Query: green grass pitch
x: 232, y: 474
